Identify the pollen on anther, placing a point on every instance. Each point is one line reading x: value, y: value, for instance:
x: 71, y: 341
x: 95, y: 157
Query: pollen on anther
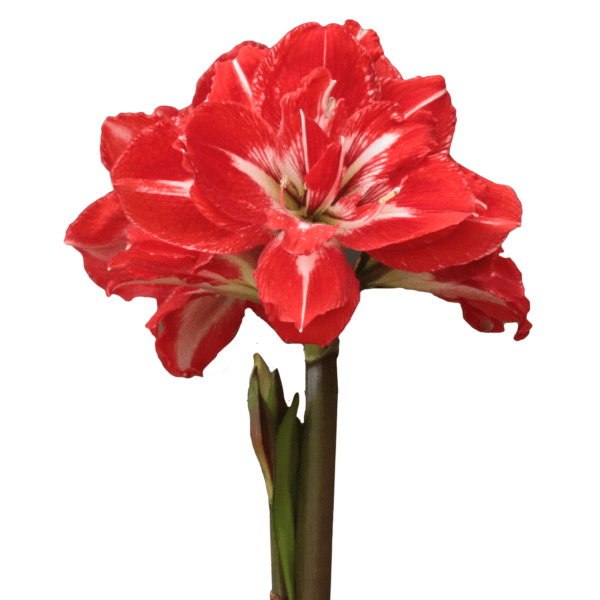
x: 283, y: 183
x: 330, y: 107
x: 389, y: 196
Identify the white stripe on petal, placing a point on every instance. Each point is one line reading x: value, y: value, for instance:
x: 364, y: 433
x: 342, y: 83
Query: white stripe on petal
x: 242, y: 78
x: 162, y: 187
x: 494, y: 221
x: 304, y: 140
x: 380, y: 212
x: 424, y: 103
x: 377, y: 147
x: 255, y: 173
x: 305, y: 265
x: 425, y: 282
x: 195, y: 324
x: 397, y: 212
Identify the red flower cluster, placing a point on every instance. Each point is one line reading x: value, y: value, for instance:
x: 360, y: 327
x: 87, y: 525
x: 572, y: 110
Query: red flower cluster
x: 286, y: 157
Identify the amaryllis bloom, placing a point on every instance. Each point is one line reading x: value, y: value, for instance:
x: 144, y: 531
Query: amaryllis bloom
x: 287, y: 158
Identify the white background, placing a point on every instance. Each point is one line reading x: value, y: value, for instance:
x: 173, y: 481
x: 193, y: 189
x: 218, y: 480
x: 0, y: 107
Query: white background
x: 468, y: 463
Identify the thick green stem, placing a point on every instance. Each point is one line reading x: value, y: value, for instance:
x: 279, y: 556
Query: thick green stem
x: 314, y: 525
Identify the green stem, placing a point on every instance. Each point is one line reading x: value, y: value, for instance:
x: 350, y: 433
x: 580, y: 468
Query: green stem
x: 314, y: 525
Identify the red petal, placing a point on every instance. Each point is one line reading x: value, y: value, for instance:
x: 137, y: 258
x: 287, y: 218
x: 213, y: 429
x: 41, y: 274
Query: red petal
x: 191, y: 327
x: 297, y: 288
x: 232, y: 151
x: 154, y: 189
x: 431, y: 198
x: 501, y: 279
x: 348, y: 209
x: 324, y: 179
x: 424, y: 94
x: 153, y: 259
x: 497, y: 212
x: 205, y: 83
x: 233, y: 77
x: 368, y: 39
x: 316, y: 99
x: 386, y: 69
x: 309, y: 47
x: 151, y: 265
x: 301, y: 237
x: 117, y: 132
x: 379, y: 145
x: 301, y: 143
x: 490, y: 290
x: 322, y: 330
x: 99, y: 233
x: 229, y: 267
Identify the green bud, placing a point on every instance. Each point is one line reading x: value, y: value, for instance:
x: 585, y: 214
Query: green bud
x: 267, y: 407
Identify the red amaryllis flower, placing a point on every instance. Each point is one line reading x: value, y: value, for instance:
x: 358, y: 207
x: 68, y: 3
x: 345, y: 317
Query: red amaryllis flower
x: 328, y: 147
x: 286, y: 157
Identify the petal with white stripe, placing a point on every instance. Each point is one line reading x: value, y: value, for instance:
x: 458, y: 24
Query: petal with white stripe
x: 322, y: 330
x: 324, y: 179
x: 301, y: 237
x: 431, y: 198
x: 232, y: 77
x: 298, y: 288
x: 368, y: 39
x: 233, y: 154
x: 490, y: 290
x: 424, y: 95
x: 154, y: 189
x: 497, y: 211
x: 99, y: 233
x: 380, y: 146
x: 317, y: 99
x: 205, y: 83
x: 191, y: 327
x: 300, y: 141
x: 309, y: 47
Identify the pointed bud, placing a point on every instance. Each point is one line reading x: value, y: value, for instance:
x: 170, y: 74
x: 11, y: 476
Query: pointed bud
x: 267, y: 407
x: 264, y: 375
x: 271, y: 391
x: 259, y: 443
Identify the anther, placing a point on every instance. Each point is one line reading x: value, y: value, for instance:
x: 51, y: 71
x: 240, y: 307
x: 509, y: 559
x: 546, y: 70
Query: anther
x: 283, y: 183
x: 389, y: 196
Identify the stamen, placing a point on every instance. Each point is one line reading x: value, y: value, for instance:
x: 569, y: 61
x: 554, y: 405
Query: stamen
x: 330, y: 106
x: 390, y: 195
x: 327, y: 94
x: 283, y: 183
x: 393, y: 192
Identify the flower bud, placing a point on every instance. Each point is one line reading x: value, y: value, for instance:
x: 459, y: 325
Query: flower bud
x: 267, y: 407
